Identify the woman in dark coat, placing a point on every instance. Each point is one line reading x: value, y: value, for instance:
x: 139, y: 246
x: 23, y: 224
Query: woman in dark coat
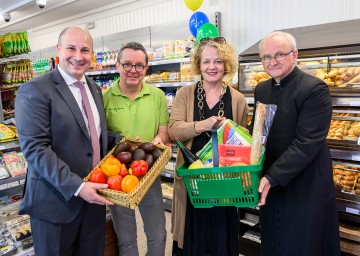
x: 298, y: 202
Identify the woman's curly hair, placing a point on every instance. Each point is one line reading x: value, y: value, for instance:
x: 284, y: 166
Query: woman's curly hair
x: 227, y: 54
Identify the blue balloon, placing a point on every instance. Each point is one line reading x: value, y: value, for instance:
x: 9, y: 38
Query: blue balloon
x: 196, y: 20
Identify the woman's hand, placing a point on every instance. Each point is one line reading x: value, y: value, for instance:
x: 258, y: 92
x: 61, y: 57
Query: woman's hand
x: 207, y: 124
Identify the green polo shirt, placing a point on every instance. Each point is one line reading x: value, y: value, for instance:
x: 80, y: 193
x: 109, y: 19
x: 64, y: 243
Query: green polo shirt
x: 141, y: 116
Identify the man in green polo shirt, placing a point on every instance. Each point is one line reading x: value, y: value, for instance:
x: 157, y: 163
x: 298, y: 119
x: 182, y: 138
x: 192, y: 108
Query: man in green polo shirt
x: 136, y: 109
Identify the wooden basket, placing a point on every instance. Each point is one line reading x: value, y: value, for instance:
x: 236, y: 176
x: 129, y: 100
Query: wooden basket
x: 132, y: 199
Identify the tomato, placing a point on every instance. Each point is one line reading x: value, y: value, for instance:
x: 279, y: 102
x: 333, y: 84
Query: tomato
x: 128, y: 183
x: 114, y: 182
x: 111, y: 166
x: 123, y: 170
x: 97, y: 176
x: 139, y: 168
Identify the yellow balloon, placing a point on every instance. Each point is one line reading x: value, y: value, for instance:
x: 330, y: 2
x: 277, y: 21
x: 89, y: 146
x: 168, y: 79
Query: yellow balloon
x: 193, y: 4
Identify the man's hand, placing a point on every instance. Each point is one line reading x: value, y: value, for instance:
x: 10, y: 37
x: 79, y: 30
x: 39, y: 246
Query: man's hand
x: 89, y: 193
x: 264, y: 188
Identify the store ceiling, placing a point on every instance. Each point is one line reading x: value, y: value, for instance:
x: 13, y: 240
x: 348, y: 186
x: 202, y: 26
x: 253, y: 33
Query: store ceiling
x: 25, y: 14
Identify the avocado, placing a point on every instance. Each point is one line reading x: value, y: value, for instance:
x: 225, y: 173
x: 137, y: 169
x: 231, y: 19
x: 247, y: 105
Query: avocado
x: 139, y: 154
x: 156, y: 153
x: 149, y: 159
x: 147, y: 147
x: 121, y: 147
x: 124, y: 157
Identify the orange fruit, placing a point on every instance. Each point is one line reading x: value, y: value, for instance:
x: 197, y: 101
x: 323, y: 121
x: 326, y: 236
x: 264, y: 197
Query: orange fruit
x: 128, y: 183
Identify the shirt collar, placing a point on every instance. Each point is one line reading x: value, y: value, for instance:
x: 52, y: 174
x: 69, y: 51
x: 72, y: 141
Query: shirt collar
x: 69, y: 80
x: 116, y: 90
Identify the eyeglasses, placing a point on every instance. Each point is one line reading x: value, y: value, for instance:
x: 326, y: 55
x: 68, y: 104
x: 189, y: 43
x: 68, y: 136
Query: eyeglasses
x: 219, y: 40
x: 279, y: 56
x: 128, y: 66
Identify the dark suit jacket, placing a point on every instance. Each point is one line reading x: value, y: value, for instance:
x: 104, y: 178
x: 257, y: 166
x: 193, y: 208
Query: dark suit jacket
x: 57, y: 146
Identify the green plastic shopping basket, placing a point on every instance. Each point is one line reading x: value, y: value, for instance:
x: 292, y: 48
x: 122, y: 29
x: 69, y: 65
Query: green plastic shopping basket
x: 223, y: 186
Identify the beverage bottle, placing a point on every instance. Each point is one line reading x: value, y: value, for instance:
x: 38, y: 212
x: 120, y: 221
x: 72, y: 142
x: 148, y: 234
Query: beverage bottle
x: 189, y: 157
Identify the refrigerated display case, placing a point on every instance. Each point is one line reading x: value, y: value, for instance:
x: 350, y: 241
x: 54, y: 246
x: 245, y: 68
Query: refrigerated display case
x: 330, y: 52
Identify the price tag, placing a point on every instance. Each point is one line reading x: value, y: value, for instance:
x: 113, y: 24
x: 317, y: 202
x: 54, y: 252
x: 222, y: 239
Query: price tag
x: 355, y: 158
x: 167, y: 175
x: 2, y: 147
x: 13, y: 184
x: 22, y: 181
x: 3, y: 186
x: 352, y: 210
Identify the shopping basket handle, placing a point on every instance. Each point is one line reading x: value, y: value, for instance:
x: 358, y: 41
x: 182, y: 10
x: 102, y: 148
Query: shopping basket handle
x: 214, y: 141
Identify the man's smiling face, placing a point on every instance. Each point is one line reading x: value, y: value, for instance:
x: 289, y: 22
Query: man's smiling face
x: 75, y: 52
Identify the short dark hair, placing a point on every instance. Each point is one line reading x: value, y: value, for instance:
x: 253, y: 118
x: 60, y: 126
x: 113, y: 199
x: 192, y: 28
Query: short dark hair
x: 134, y: 46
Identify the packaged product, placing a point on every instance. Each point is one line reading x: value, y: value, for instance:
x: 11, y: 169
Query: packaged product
x: 168, y: 49
x: 229, y: 133
x: 6, y: 133
x: 264, y: 117
x: 4, y: 174
x: 180, y: 46
x: 13, y: 164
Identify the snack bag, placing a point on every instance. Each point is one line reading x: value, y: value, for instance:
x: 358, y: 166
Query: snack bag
x: 229, y: 133
x: 234, y: 154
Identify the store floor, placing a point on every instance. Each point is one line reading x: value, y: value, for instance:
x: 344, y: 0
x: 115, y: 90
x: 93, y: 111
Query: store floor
x: 142, y: 237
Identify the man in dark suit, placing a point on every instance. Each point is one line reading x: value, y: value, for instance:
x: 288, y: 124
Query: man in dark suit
x: 298, y: 213
x: 67, y: 215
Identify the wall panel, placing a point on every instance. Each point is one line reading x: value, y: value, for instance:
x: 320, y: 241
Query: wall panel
x: 243, y: 22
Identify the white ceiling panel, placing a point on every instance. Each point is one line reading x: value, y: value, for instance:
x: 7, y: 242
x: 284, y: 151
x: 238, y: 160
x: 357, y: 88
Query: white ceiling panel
x: 25, y: 14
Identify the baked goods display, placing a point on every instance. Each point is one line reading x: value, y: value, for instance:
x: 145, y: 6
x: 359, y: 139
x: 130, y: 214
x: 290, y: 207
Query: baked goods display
x: 345, y: 125
x: 338, y: 76
x: 347, y: 178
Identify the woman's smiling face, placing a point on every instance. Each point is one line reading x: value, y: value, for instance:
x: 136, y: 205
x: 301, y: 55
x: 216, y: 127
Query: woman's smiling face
x: 211, y: 65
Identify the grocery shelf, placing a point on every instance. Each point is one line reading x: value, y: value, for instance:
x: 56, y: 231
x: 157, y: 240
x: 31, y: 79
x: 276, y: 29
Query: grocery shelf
x: 167, y: 174
x: 167, y: 203
x: 174, y: 84
x: 164, y: 62
x: 12, y: 182
x: 9, y: 145
x: 102, y: 72
x: 348, y: 202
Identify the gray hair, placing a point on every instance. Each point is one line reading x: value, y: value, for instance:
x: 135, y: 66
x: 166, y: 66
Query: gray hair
x: 290, y: 38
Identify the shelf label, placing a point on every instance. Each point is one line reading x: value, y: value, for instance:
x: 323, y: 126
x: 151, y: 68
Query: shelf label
x: 3, y: 186
x: 355, y: 158
x: 22, y: 181
x: 13, y: 184
x: 2, y: 147
x: 352, y: 210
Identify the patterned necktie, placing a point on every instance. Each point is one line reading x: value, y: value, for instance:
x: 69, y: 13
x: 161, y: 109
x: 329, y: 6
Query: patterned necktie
x: 89, y: 114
